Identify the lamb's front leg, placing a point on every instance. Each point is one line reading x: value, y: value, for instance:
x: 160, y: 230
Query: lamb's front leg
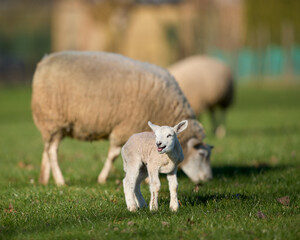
x: 173, y: 185
x: 154, y: 188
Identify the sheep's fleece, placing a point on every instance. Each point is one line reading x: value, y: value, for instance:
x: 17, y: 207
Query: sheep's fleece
x: 206, y: 82
x: 97, y: 95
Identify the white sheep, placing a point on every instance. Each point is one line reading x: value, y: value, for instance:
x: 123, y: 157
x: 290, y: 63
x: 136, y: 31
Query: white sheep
x: 208, y: 84
x: 148, y: 154
x: 96, y: 95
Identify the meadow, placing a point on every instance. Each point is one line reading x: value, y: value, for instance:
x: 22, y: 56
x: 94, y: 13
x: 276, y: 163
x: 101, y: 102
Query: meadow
x: 255, y: 192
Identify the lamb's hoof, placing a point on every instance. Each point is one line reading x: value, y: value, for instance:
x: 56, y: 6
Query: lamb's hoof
x: 174, y: 207
x: 132, y: 209
x: 153, y: 209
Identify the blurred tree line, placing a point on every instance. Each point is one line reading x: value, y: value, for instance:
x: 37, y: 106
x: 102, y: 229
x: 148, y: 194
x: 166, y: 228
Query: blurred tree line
x: 25, y: 33
x: 274, y: 18
x: 25, y: 36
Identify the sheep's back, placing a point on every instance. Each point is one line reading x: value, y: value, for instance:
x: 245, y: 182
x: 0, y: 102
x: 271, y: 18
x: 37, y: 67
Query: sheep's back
x: 94, y: 95
x: 205, y: 81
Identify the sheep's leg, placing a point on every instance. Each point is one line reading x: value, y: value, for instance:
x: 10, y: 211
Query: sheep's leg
x: 113, y: 153
x: 129, y: 184
x: 173, y: 185
x: 139, y: 199
x: 45, y: 166
x: 154, y: 188
x: 52, y: 153
x: 213, y: 120
x: 220, y: 129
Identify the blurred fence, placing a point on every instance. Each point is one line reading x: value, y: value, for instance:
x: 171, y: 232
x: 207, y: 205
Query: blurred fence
x: 272, y: 63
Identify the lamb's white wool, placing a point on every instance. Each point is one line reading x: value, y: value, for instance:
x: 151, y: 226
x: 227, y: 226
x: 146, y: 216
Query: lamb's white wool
x: 147, y: 154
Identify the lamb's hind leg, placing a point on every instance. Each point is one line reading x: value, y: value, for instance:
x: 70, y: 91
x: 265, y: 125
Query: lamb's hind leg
x: 139, y: 199
x: 52, y: 153
x: 113, y: 153
x: 45, y: 166
x: 129, y: 183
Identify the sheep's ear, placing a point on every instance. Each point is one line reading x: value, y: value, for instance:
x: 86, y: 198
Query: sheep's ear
x: 180, y: 126
x: 153, y: 126
x: 193, y: 143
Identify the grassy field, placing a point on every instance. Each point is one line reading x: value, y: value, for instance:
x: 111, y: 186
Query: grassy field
x: 256, y: 164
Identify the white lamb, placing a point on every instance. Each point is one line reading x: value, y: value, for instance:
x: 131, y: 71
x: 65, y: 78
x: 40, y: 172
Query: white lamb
x: 148, y: 154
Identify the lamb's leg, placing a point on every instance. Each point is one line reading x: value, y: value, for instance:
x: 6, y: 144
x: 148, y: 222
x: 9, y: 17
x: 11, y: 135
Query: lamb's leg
x: 129, y: 184
x: 154, y: 188
x: 140, y: 201
x: 113, y: 153
x: 45, y: 166
x: 52, y: 153
x: 173, y: 185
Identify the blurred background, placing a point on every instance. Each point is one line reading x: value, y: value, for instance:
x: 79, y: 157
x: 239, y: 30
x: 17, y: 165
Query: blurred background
x: 258, y: 39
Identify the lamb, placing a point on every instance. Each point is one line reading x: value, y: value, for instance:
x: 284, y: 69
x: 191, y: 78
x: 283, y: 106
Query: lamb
x: 97, y: 95
x: 208, y: 84
x: 148, y: 154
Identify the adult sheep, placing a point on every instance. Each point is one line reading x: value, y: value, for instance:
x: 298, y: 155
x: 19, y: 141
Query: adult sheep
x: 207, y: 84
x: 96, y: 95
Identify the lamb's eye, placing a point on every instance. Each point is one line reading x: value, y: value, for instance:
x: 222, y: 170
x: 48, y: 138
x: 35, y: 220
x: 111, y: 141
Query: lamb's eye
x: 169, y: 136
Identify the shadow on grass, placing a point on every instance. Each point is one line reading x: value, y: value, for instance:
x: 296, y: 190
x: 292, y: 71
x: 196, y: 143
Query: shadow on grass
x: 194, y: 200
x: 231, y: 171
x: 266, y: 131
x: 236, y: 171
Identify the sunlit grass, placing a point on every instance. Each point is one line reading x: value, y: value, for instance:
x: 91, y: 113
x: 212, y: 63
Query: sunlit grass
x: 254, y: 165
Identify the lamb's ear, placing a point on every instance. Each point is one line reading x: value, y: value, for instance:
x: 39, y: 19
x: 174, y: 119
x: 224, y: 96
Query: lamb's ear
x: 153, y: 126
x: 180, y: 126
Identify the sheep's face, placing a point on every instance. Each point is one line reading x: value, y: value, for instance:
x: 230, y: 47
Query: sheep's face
x: 165, y: 136
x: 197, y: 165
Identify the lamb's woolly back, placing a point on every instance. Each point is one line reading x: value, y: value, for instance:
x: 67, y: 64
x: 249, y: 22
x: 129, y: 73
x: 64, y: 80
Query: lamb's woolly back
x: 113, y: 84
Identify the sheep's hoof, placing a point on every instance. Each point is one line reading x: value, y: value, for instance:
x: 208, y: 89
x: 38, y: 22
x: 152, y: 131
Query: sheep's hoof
x: 60, y: 184
x: 220, y: 132
x: 43, y: 182
x: 101, y: 180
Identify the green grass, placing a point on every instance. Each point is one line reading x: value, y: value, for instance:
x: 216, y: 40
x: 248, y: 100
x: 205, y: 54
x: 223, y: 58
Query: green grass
x: 257, y: 163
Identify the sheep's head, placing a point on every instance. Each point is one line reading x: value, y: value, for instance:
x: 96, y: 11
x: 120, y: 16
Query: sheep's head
x: 166, y: 136
x: 197, y: 165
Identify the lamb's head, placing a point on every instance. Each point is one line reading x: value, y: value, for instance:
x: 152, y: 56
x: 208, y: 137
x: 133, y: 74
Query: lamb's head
x: 198, y: 167
x: 166, y: 136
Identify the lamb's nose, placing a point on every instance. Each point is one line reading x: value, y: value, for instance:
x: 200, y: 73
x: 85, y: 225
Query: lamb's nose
x: 158, y: 144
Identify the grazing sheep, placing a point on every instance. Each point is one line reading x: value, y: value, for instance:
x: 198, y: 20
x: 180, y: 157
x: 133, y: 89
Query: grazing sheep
x: 207, y: 84
x: 96, y: 95
x: 148, y: 154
